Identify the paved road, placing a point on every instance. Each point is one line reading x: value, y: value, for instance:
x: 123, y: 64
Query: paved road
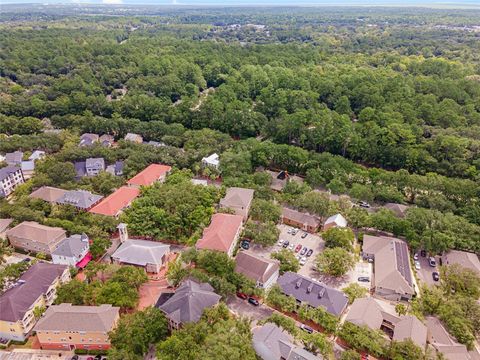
x: 243, y: 308
x: 425, y: 272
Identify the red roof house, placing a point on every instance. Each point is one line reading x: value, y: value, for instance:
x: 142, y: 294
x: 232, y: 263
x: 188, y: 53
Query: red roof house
x: 222, y: 233
x: 113, y: 204
x: 149, y: 175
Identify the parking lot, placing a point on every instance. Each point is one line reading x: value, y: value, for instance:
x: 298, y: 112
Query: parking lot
x: 425, y: 272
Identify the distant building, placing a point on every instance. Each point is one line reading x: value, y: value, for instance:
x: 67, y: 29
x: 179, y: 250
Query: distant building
x: 94, y: 166
x: 88, y: 139
x: 335, y: 221
x: 239, y: 200
x: 36, y: 288
x: 211, y: 161
x: 393, y: 278
x: 465, y: 259
x: 222, y: 234
x: 81, y: 199
x: 116, y: 202
x: 398, y: 209
x: 106, y: 140
x: 28, y: 168
x: 10, y: 177
x: 34, y: 237
x: 48, y: 193
x: 68, y: 327
x: 151, y: 174
x: 80, y: 169
x: 301, y: 220
x: 4, y: 225
x: 73, y: 251
x: 313, y: 293
x: 156, y: 143
x: 37, y: 155
x: 115, y: 169
x: 151, y: 255
x: 263, y: 271
x: 188, y: 303
x: 200, y: 182
x: 14, y: 158
x: 280, y: 179
x: 134, y: 138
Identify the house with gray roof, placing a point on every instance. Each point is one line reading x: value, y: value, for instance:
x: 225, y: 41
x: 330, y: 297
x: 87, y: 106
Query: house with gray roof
x: 151, y: 255
x: 465, y: 259
x: 106, y: 140
x: 263, y: 271
x: 443, y: 343
x: 313, y: 293
x: 14, y: 158
x: 398, y: 209
x: 134, y: 138
x: 80, y: 169
x: 28, y: 168
x: 188, y: 303
x: 81, y: 199
x: 88, y: 139
x: 93, y: 166
x: 35, y: 288
x: 10, y: 177
x: 239, y: 200
x: 116, y: 169
x: 72, y: 250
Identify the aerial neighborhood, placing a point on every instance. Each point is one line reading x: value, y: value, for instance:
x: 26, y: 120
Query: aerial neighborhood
x: 239, y: 184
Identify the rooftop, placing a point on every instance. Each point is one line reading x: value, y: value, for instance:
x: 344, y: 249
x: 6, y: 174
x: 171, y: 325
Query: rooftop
x: 237, y: 197
x: 48, y: 193
x: 4, y: 224
x: 14, y: 158
x: 255, y: 267
x: 213, y: 159
x: 221, y: 232
x: 82, y: 199
x: 141, y: 252
x: 337, y: 219
x: 36, y: 232
x: 466, y: 259
x: 301, y: 217
x: 7, y: 171
x: 149, y: 175
x: 116, y: 202
x: 72, y: 246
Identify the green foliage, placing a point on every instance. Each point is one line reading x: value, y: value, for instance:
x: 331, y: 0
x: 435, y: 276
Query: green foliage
x: 405, y: 350
x: 350, y: 355
x: 11, y: 272
x: 334, y: 261
x: 265, y: 211
x: 277, y: 299
x: 319, y: 316
x: 339, y: 237
x: 286, y: 323
x: 363, y: 339
x: 460, y: 280
x: 288, y: 261
x: 265, y: 234
x: 354, y: 291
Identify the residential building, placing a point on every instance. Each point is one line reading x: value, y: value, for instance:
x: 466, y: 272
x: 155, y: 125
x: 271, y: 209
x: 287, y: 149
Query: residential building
x: 301, y: 220
x: 156, y: 143
x: 36, y: 288
x: 200, y: 182
x: 115, y: 169
x: 28, y: 168
x: 4, y: 225
x: 335, y: 221
x: 239, y: 200
x: 398, y: 209
x: 10, y: 177
x: 280, y: 179
x: 376, y: 315
x: 443, y: 343
x: 263, y: 271
x: 211, y: 161
x: 222, y: 234
x: 116, y: 202
x: 106, y: 140
x: 393, y: 278
x: 81, y: 199
x: 272, y: 343
x: 70, y: 327
x: 188, y: 303
x: 150, y: 175
x: 134, y: 138
x: 151, y: 255
x: 88, y: 139
x: 313, y: 293
x: 37, y: 155
x: 93, y: 166
x: 73, y: 251
x: 14, y: 158
x: 80, y: 169
x: 48, y: 193
x: 34, y: 237
x: 465, y: 259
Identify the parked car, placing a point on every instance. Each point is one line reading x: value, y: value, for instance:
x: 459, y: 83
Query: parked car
x: 363, y: 279
x: 432, y: 262
x: 435, y: 276
x: 290, y: 231
x: 74, y: 357
x: 294, y: 231
x: 291, y: 246
x: 304, y: 251
x: 303, y: 261
x: 242, y: 295
x: 364, y: 204
x: 298, y: 248
x: 304, y: 235
x: 285, y: 244
x: 423, y: 253
x: 415, y: 256
x: 98, y: 357
x: 306, y: 328
x: 280, y: 242
x: 417, y: 265
x: 253, y: 301
x: 309, y: 252
x: 27, y: 260
x: 245, y: 245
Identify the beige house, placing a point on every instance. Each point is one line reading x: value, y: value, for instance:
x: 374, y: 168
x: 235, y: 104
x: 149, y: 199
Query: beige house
x: 34, y: 237
x: 263, y: 271
x: 151, y: 255
x: 36, y: 288
x: 69, y: 327
x: 239, y: 200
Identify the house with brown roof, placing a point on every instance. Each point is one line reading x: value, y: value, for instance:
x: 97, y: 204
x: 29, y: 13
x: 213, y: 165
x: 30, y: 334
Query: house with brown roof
x: 69, y: 327
x: 150, y: 175
x: 443, y: 343
x: 36, y: 288
x: 134, y: 138
x: 222, y: 234
x: 263, y: 271
x: 239, y: 200
x: 4, y: 225
x: 88, y: 139
x: 465, y: 259
x: 106, y: 140
x: 393, y: 277
x: 115, y: 203
x: 398, y: 209
x: 150, y: 255
x: 34, y: 237
x: 48, y: 193
x: 301, y: 220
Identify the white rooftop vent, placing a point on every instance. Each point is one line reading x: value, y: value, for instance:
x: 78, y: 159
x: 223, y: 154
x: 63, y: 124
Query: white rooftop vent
x: 321, y: 293
x: 299, y: 282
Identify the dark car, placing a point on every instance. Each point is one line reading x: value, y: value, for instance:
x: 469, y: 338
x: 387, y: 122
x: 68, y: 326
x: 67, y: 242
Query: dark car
x: 245, y: 245
x: 74, y: 357
x: 304, y: 235
x: 253, y: 301
x: 98, y: 357
x: 242, y: 295
x: 435, y: 276
x: 306, y: 328
x: 423, y: 253
x: 286, y: 243
x: 309, y: 252
x: 364, y: 279
x: 304, y: 251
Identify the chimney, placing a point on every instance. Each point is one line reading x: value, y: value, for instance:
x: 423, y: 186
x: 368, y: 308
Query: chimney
x: 321, y: 293
x: 310, y: 288
x: 299, y: 282
x: 122, y: 231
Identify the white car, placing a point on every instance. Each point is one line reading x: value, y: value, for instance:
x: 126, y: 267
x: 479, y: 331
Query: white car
x: 303, y: 260
x: 415, y: 256
x: 280, y: 242
x: 417, y: 265
x: 291, y: 246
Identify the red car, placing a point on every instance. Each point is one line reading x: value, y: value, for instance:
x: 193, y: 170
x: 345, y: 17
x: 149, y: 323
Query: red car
x: 242, y: 295
x: 298, y: 248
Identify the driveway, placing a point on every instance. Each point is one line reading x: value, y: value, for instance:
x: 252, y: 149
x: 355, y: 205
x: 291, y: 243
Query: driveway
x: 425, y: 272
x: 242, y: 308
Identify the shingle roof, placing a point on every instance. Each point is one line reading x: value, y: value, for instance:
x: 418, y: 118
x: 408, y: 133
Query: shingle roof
x: 14, y: 158
x: 141, y: 252
x: 37, y: 154
x: 95, y: 163
x: 149, y: 175
x: 255, y: 267
x: 189, y: 301
x: 398, y: 209
x: 106, y: 139
x: 221, y: 233
x: 28, y: 165
x: 365, y: 311
x: 337, y: 219
x: 71, y: 246
x: 409, y: 327
x: 116, y: 202
x: 301, y: 217
x: 80, y: 168
x: 82, y: 199
x: 466, y: 259
x: 88, y: 139
x: 68, y: 317
x: 34, y: 231
x: 443, y: 342
x: 48, y: 193
x: 133, y: 137
x: 15, y: 302
x: 237, y: 197
x: 312, y: 292
x: 7, y: 170
x: 4, y: 224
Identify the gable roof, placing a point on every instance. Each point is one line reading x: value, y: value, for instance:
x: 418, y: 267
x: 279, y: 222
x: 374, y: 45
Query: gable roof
x: 237, y: 197
x: 141, y: 252
x: 72, y: 246
x: 409, y: 327
x: 4, y: 224
x: 95, y: 163
x: 16, y: 301
x: 133, y: 137
x: 365, y: 311
x: 213, y: 159
x: 398, y: 209
x: 301, y: 217
x: 149, y: 175
x: 443, y: 342
x: 68, y: 317
x: 37, y: 154
x: 48, y: 193
x: 36, y: 232
x: 116, y: 202
x: 7, y: 171
x: 189, y: 301
x: 88, y: 139
x: 466, y: 259
x: 106, y: 139
x: 82, y: 199
x: 14, y: 158
x: 220, y: 234
x: 312, y: 292
x: 337, y: 219
x: 255, y: 267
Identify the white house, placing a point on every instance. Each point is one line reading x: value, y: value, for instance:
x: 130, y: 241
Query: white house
x: 72, y: 251
x: 211, y: 161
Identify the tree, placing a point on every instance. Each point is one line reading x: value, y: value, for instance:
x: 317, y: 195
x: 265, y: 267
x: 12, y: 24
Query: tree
x: 405, y: 350
x: 339, y: 237
x: 317, y: 343
x: 288, y: 261
x: 335, y: 262
x: 99, y: 246
x: 350, y: 355
x: 460, y: 280
x: 265, y: 234
x: 72, y: 292
x: 265, y: 211
x: 277, y: 299
x: 286, y: 323
x: 354, y: 291
x: 401, y: 309
x: 38, y: 311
